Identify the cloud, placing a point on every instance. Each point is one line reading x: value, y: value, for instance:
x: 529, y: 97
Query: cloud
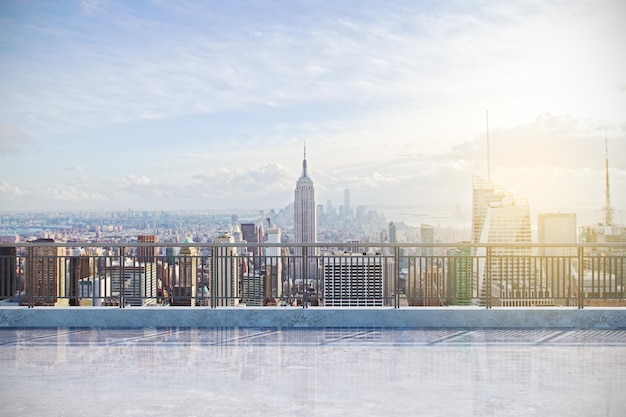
x: 354, y: 57
x: 549, y: 141
x: 12, y: 139
x: 264, y: 182
x: 10, y: 192
x: 71, y: 194
x: 135, y: 180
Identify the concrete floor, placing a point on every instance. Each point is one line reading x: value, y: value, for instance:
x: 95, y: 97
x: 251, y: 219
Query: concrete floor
x: 312, y: 372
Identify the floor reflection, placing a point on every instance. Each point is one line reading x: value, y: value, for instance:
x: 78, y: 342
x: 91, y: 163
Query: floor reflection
x: 312, y: 372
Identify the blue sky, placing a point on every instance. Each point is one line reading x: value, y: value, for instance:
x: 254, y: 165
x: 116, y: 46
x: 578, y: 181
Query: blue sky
x: 110, y: 105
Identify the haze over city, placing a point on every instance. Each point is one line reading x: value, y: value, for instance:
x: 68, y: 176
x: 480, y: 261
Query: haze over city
x: 151, y: 105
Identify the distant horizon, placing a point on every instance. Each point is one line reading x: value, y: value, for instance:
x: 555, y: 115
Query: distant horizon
x: 586, y: 215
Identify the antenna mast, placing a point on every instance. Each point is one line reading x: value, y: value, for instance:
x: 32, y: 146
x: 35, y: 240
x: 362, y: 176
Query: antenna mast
x: 488, y: 151
x: 608, y: 214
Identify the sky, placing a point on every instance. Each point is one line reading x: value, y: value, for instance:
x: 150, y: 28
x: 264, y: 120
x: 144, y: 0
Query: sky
x: 202, y: 105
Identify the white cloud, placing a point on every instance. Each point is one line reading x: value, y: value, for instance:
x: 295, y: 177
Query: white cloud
x: 10, y: 192
x: 443, y: 56
x: 71, y: 194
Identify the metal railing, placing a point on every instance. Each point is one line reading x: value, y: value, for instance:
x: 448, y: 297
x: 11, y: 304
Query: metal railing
x: 328, y: 274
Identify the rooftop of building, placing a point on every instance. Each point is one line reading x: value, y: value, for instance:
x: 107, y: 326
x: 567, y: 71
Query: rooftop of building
x: 353, y: 371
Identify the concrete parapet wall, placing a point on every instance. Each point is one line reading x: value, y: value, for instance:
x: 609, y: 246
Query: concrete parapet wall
x: 285, y: 317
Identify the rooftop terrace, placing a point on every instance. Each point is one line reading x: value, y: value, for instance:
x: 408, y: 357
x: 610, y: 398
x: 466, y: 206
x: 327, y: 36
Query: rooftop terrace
x: 90, y: 333
x: 312, y: 372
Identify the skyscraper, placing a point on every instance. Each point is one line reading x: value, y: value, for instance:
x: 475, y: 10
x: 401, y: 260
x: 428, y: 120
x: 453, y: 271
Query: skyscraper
x: 556, y: 228
x: 184, y: 290
x: 305, y: 224
x: 225, y: 273
x: 80, y: 267
x: 273, y: 265
x: 44, y: 269
x: 499, y: 218
x: 346, y: 204
x: 252, y: 233
x: 557, y: 263
x: 8, y: 271
x: 427, y: 235
x: 392, y: 233
x: 146, y: 253
x: 353, y: 280
x: 484, y: 193
x: 135, y: 282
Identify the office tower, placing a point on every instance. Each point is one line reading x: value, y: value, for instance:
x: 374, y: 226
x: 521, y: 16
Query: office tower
x: 391, y: 285
x: 427, y: 235
x: 361, y: 213
x: 556, y: 228
x: 184, y: 288
x: 346, y: 204
x: 8, y: 271
x: 557, y: 263
x: 510, y: 270
x: 392, y: 233
x: 484, y: 193
x: 353, y: 280
x: 252, y: 289
x: 321, y: 217
x: 459, y: 279
x: 305, y: 225
x: 273, y: 265
x: 80, y: 267
x: 171, y: 255
x: 250, y: 233
x: 225, y: 272
x: 331, y: 213
x: 497, y: 217
x: 44, y: 271
x: 147, y: 253
x: 134, y: 283
x: 425, y: 282
x: 237, y: 235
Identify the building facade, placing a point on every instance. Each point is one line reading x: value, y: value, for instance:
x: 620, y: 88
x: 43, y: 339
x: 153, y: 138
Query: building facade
x: 224, y: 286
x: 353, y: 280
x: 305, y: 226
x: 184, y: 288
x: 8, y: 272
x: 45, y: 274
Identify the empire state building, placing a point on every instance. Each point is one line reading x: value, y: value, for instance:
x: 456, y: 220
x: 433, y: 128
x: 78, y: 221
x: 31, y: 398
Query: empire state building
x: 305, y: 222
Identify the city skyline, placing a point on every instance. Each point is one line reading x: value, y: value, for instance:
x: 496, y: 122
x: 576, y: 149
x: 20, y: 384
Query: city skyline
x: 147, y: 106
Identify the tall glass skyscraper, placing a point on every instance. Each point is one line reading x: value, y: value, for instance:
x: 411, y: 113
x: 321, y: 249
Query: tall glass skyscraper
x: 498, y: 217
x: 305, y: 223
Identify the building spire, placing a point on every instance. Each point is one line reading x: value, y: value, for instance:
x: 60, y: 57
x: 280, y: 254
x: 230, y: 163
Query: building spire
x: 488, y: 151
x: 304, y: 170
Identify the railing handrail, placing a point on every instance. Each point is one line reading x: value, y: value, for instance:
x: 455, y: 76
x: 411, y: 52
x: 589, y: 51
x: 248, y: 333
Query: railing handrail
x: 621, y: 245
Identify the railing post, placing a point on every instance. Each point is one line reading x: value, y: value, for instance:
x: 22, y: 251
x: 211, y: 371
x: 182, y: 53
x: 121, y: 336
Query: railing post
x: 488, y: 277
x: 122, y: 276
x: 305, y: 276
x: 581, y: 277
x: 30, y: 278
x: 396, y: 276
x: 212, y: 270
